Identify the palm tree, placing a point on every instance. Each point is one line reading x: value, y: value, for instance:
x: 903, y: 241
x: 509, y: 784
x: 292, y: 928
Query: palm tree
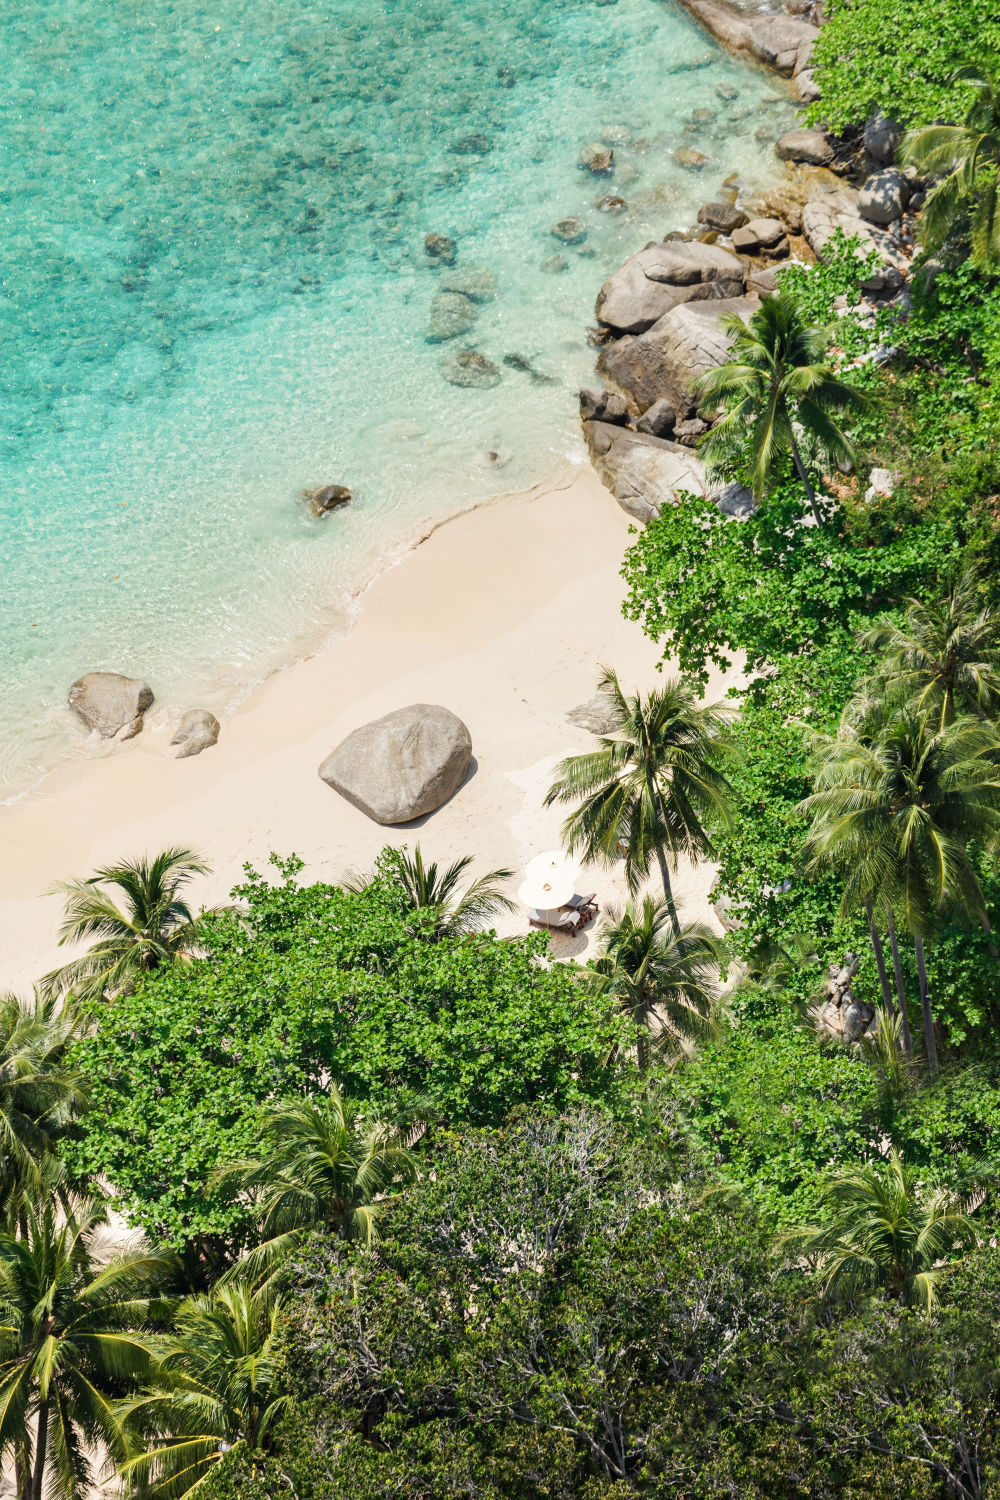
x: 650, y: 790
x: 71, y: 1336
x: 778, y: 379
x: 39, y: 1089
x: 663, y: 980
x: 946, y: 656
x: 322, y: 1163
x: 439, y: 909
x: 896, y: 812
x: 155, y: 927
x: 886, y: 1231
x: 214, y: 1388
x: 970, y: 155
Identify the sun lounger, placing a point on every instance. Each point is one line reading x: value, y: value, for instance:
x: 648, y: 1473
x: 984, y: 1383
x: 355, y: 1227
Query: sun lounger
x: 555, y: 921
x: 579, y: 902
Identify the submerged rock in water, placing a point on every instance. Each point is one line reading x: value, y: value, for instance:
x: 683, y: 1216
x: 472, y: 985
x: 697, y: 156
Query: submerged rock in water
x: 403, y: 765
x: 440, y: 247
x: 451, y: 314
x: 571, y: 231
x: 610, y: 203
x: 197, y: 731
x: 327, y: 497
x: 554, y: 264
x: 476, y: 143
x: 494, y: 458
x: 690, y: 159
x: 110, y: 703
x: 597, y: 159
x: 470, y: 368
x: 475, y: 282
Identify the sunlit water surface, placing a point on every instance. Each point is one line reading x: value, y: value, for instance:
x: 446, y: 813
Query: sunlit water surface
x: 215, y: 293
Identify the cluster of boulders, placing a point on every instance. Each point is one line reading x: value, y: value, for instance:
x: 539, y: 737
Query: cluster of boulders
x: 839, y: 1010
x: 114, y: 706
x: 662, y: 316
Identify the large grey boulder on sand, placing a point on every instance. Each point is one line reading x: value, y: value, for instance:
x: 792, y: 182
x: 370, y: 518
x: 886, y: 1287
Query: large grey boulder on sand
x: 654, y: 280
x: 108, y: 703
x: 197, y: 731
x: 403, y: 765
x: 644, y: 473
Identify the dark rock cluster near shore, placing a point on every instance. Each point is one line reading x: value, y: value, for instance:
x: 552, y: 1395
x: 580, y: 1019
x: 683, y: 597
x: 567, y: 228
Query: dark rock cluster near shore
x: 661, y: 315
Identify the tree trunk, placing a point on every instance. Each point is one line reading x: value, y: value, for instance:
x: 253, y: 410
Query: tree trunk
x: 883, y: 977
x: 991, y: 945
x: 22, y: 1470
x: 668, y: 894
x: 897, y: 969
x: 800, y: 469
x: 41, y: 1444
x: 925, y: 1005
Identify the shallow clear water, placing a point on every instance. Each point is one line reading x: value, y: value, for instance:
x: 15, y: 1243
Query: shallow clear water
x: 214, y: 292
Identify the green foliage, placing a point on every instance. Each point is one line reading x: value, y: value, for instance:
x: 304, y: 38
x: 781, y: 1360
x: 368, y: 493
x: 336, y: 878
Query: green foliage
x: 315, y: 983
x: 898, y: 56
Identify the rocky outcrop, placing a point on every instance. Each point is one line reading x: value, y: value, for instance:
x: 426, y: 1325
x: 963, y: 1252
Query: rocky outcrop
x: 327, y: 497
x: 110, y: 704
x: 197, y: 731
x: 403, y: 765
x: 822, y: 216
x: 596, y: 715
x: 725, y: 217
x: 840, y: 1011
x: 812, y: 148
x: 665, y: 361
x: 661, y: 277
x: 659, y: 419
x: 644, y: 472
x: 603, y: 406
x: 882, y: 139
x: 761, y: 237
x: 776, y: 40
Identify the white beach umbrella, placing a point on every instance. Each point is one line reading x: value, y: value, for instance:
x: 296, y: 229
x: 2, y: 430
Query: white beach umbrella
x: 549, y: 881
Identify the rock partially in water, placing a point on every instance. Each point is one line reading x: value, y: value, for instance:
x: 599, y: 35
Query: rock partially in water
x: 494, y: 458
x: 197, y: 731
x: 440, y: 247
x: 327, y: 497
x: 610, y: 203
x: 110, y: 704
x: 758, y: 235
x: 811, y: 147
x: 603, y: 406
x: 572, y: 231
x: 600, y: 160
x: 451, y: 314
x: 656, y: 279
x: 725, y: 217
x: 475, y: 282
x: 401, y: 766
x: 470, y: 368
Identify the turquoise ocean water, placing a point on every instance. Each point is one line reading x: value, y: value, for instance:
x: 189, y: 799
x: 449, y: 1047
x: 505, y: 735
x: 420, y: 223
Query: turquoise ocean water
x: 214, y: 293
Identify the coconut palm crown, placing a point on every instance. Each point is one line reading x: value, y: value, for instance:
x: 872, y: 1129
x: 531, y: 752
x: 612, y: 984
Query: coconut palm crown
x: 438, y: 908
x: 664, y: 981
x: 886, y: 1230
x: 215, y: 1388
x: 777, y: 378
x: 153, y: 927
x: 322, y: 1162
x: 650, y: 791
x: 969, y: 155
x: 945, y: 655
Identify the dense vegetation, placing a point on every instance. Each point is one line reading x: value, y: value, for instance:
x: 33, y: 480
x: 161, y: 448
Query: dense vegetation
x: 425, y: 1214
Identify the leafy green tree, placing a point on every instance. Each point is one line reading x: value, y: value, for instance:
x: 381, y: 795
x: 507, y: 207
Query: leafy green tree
x: 74, y: 1331
x: 969, y: 155
x: 322, y: 1162
x: 649, y: 793
x: 215, y: 1389
x: 154, y: 927
x: 778, y: 379
x: 886, y: 1230
x: 896, y: 812
x: 945, y: 656
x: 40, y: 1090
x: 440, y: 909
x: 664, y: 981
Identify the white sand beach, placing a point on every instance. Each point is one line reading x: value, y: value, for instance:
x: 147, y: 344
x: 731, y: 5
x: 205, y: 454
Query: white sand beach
x: 502, y: 614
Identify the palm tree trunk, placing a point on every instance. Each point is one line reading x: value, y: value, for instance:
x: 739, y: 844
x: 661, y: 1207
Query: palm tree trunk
x: 668, y: 894
x: 883, y: 977
x: 41, y: 1444
x: 991, y: 945
x: 22, y: 1470
x: 925, y: 1005
x: 897, y: 969
x: 800, y: 469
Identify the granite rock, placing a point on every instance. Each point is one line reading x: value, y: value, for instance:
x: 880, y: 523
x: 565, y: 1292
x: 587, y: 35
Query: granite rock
x: 110, y: 704
x: 403, y: 765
